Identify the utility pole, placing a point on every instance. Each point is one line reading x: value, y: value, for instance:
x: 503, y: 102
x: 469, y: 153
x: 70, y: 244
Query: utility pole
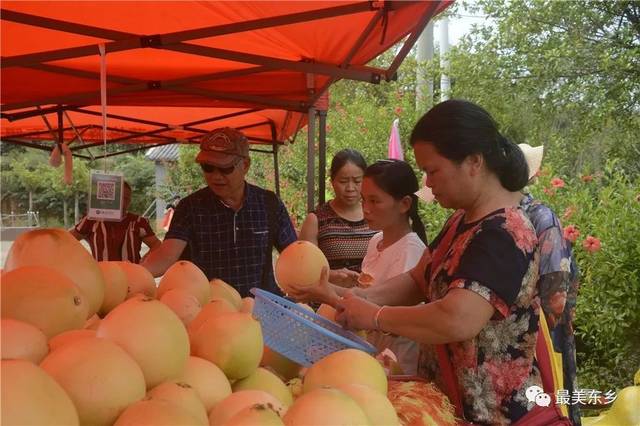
x: 424, y: 82
x: 445, y: 84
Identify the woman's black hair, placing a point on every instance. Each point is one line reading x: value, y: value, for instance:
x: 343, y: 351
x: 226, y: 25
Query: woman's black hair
x: 398, y: 179
x: 459, y: 128
x: 347, y: 156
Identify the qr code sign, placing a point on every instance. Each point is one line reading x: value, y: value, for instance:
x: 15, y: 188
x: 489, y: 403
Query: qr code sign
x: 106, y: 190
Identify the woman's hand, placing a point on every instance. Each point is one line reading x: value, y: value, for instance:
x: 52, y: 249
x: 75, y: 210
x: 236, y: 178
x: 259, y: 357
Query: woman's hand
x: 344, y: 277
x: 322, y: 292
x: 356, y: 313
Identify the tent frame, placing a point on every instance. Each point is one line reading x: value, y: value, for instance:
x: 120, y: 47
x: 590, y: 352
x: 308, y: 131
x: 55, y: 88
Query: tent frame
x: 179, y: 42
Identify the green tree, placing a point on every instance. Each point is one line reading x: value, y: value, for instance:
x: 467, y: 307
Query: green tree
x: 139, y: 172
x: 566, y: 74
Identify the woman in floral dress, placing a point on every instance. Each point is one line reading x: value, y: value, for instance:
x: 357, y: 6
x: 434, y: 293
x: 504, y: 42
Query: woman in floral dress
x: 479, y: 325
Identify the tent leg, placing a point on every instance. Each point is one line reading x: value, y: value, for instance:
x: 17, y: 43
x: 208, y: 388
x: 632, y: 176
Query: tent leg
x: 322, y: 155
x: 276, y: 169
x: 311, y: 136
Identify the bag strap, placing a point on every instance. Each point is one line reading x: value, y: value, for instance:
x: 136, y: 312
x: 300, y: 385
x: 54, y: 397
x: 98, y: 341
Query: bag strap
x: 271, y: 203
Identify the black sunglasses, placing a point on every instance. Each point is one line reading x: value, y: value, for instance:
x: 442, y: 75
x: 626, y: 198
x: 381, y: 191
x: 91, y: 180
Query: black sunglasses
x: 209, y: 168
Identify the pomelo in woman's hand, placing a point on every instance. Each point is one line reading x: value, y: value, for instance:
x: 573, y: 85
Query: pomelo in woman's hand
x: 299, y: 266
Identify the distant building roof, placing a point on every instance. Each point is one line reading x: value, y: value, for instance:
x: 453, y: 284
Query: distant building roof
x: 163, y: 153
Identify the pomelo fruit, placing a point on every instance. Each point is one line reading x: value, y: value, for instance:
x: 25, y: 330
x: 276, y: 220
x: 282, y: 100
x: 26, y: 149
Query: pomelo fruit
x: 265, y: 380
x: 376, y: 406
x: 222, y: 290
x: 152, y: 335
x: 209, y: 382
x: 181, y: 394
x: 299, y: 266
x: 21, y: 340
x: 325, y: 406
x: 115, y: 286
x: 99, y: 376
x: 345, y: 367
x: 256, y: 415
x: 184, y: 304
x: 156, y: 413
x: 237, y: 401
x: 58, y: 249
x: 69, y: 336
x: 32, y: 397
x: 139, y: 280
x: 232, y: 341
x: 210, y: 310
x: 186, y: 276
x: 44, y: 297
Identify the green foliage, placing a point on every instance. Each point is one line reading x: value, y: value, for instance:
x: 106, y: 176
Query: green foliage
x: 28, y: 170
x: 605, y: 205
x: 140, y: 174
x: 566, y: 74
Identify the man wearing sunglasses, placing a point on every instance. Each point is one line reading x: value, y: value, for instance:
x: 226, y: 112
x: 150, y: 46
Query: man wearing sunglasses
x: 230, y: 225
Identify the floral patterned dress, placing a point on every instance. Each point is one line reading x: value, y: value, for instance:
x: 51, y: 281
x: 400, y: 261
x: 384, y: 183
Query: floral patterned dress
x: 558, y: 287
x: 497, y: 258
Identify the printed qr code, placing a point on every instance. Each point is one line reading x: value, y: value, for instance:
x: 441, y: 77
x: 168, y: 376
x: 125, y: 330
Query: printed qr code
x: 106, y: 191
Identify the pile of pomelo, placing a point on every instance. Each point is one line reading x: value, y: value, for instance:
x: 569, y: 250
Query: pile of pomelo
x: 86, y: 342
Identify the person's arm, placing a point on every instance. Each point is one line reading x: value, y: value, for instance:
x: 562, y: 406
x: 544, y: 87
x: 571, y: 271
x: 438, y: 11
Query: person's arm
x: 147, y: 235
x: 152, y: 242
x: 78, y: 236
x: 555, y: 273
x: 459, y: 316
x: 160, y: 259
x: 400, y: 290
x: 309, y: 230
x: 82, y: 229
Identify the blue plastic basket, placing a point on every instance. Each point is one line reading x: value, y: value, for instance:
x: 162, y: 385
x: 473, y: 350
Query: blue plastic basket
x: 299, y: 334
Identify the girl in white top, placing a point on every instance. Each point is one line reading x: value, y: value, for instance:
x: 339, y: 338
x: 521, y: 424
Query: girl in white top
x: 391, y: 207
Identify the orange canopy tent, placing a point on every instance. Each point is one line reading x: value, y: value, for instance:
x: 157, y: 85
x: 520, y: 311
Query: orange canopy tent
x: 175, y: 70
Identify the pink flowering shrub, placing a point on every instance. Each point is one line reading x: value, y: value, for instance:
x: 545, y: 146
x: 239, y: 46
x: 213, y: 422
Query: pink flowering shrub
x: 591, y: 244
x: 557, y: 183
x: 571, y: 233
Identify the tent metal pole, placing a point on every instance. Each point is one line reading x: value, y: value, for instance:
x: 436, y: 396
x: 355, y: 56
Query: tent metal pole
x: 276, y: 166
x: 411, y: 40
x: 222, y: 117
x: 68, y: 27
x: 322, y: 154
x: 368, y: 74
x: 354, y: 49
x: 311, y: 136
x: 99, y: 157
x: 269, y: 22
x: 37, y: 146
x: 157, y: 85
